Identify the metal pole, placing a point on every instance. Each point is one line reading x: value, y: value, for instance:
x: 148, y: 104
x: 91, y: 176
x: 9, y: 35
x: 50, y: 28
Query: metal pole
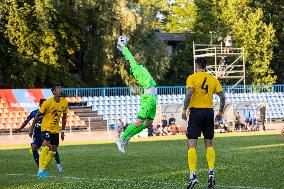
x: 211, y: 41
x: 108, y: 125
x: 244, y: 67
x: 89, y: 128
x: 160, y: 114
x: 193, y: 56
x: 215, y: 61
x: 11, y: 131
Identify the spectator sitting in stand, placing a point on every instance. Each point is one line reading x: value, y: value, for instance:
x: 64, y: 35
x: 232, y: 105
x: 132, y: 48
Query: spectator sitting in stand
x: 254, y: 122
x: 111, y: 125
x: 150, y: 130
x: 262, y: 109
x: 248, y: 117
x: 222, y: 124
x: 165, y: 128
x: 157, y: 130
x: 237, y: 121
x: 173, y: 126
x: 164, y: 121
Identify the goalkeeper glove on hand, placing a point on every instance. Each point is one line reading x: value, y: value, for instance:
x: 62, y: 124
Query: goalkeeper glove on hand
x: 121, y: 42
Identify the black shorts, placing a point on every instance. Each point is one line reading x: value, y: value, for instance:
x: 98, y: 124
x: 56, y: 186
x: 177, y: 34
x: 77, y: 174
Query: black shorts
x: 248, y: 120
x: 37, y: 140
x: 200, y: 120
x: 53, y: 138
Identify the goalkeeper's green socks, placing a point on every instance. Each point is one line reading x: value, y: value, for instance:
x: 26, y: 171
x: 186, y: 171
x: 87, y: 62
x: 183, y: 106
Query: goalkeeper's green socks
x: 131, y: 131
x: 138, y: 130
x: 127, y: 132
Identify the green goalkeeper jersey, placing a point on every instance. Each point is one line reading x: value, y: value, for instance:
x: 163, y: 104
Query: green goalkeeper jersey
x: 139, y: 72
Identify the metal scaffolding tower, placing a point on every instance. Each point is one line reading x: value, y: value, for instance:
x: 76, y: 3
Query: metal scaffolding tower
x: 227, y: 63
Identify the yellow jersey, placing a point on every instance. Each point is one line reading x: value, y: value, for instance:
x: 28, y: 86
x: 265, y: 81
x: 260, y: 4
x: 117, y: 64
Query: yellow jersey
x: 52, y: 113
x: 204, y: 86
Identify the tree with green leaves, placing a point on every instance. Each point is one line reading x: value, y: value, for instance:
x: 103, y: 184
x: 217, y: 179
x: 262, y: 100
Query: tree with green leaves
x: 273, y: 14
x: 29, y: 30
x: 180, y: 16
x: 73, y: 42
x: 245, y: 23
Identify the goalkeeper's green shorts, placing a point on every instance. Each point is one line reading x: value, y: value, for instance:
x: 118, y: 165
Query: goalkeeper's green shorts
x: 147, y: 110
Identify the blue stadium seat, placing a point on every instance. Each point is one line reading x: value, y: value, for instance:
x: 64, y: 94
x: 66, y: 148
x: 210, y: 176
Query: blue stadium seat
x: 85, y: 99
x: 112, y: 112
x: 106, y: 98
x: 180, y: 100
x: 138, y: 97
x: 95, y: 98
x: 117, y: 98
x: 133, y: 101
x: 106, y: 108
x: 169, y: 97
x: 100, y: 112
x: 175, y: 101
x: 123, y: 112
x: 174, y: 97
x: 111, y: 102
x: 112, y: 108
x: 129, y: 121
x: 94, y: 108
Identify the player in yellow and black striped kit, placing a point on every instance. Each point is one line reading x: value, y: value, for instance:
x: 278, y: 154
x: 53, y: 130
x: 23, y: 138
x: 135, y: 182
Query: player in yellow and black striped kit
x: 200, y: 88
x: 52, y: 109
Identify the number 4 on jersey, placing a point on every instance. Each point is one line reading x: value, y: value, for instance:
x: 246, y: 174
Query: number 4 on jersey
x: 203, y: 86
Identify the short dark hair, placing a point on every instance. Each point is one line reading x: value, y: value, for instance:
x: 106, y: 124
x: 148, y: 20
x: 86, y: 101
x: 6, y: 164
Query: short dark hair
x: 41, y: 101
x: 54, y: 86
x: 201, y: 62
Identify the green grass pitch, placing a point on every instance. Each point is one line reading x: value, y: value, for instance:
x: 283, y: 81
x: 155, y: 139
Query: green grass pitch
x: 243, y: 161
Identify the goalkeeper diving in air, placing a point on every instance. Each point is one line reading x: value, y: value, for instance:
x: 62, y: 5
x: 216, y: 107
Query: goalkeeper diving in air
x: 148, y: 100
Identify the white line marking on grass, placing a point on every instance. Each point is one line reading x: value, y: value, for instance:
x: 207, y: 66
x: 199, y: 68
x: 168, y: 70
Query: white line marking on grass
x: 261, y: 146
x: 135, y: 181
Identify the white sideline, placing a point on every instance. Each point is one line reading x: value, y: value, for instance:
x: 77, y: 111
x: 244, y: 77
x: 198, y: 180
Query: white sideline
x: 134, y: 181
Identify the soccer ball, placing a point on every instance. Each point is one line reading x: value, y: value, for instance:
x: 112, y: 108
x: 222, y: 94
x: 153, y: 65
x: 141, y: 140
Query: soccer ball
x: 122, y: 40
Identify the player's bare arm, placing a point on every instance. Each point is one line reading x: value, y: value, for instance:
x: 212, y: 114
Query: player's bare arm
x: 186, y: 102
x: 64, y: 117
x: 34, y: 122
x: 222, y: 103
x: 22, y: 126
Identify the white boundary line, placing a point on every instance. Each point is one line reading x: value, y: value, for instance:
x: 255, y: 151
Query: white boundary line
x: 135, y: 181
